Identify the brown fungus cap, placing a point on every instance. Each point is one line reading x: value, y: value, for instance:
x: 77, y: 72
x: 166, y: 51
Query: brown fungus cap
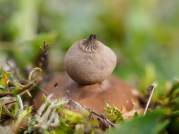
x: 112, y: 91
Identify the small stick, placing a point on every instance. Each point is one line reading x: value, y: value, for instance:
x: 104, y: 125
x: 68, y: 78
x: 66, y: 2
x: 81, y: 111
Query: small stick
x: 151, y: 89
x: 26, y: 87
x: 102, y: 118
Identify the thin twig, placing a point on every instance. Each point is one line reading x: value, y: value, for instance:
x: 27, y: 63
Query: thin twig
x: 10, y: 102
x: 151, y: 89
x: 42, y: 59
x: 100, y: 117
x: 103, y: 119
x: 28, y: 86
x: 73, y: 104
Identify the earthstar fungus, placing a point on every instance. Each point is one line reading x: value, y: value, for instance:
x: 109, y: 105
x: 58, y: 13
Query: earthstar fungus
x: 89, y: 64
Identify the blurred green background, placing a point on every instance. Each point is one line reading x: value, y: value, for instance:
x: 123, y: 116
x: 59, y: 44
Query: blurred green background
x: 143, y: 33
